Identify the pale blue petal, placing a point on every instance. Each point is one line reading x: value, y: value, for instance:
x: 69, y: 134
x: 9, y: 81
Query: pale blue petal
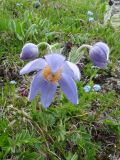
x: 35, y: 86
x: 35, y: 65
x: 105, y: 48
x: 69, y: 88
x: 48, y: 91
x: 72, y: 70
x: 54, y: 61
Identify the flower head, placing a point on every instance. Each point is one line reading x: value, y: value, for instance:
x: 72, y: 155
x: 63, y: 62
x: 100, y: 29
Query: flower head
x: 29, y: 51
x: 99, y: 54
x: 51, y: 71
x: 91, y: 19
x: 90, y: 13
x: 97, y: 87
x: 87, y: 88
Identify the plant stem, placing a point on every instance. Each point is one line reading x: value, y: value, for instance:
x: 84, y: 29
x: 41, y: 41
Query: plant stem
x: 48, y: 46
x: 83, y: 46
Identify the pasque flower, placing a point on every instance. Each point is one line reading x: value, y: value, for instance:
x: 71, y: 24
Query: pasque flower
x: 99, y: 54
x: 51, y: 71
x: 29, y: 51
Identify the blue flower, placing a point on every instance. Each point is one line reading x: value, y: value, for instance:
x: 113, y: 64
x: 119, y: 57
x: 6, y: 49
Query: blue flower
x: 19, y: 4
x: 99, y: 54
x: 51, y: 71
x: 89, y: 13
x: 91, y: 19
x: 87, y: 88
x: 29, y: 51
x: 97, y: 87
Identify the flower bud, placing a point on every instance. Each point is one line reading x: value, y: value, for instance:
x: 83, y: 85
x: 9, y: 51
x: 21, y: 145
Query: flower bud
x: 99, y: 54
x: 29, y: 52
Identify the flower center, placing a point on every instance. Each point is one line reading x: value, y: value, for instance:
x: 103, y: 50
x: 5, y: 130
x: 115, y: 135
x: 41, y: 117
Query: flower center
x: 51, y: 77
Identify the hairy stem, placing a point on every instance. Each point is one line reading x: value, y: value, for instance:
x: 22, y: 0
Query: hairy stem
x: 83, y: 46
x: 48, y: 46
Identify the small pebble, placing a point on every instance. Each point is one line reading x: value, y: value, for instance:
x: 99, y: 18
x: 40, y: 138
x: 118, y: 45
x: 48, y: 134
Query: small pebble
x: 89, y: 13
x: 87, y: 88
x: 97, y: 87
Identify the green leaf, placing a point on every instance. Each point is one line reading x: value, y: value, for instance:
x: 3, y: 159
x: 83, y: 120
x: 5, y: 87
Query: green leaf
x: 31, y: 31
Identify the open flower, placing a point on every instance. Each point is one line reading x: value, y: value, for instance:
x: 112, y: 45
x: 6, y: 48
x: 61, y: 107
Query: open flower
x: 99, y: 54
x: 29, y: 51
x: 51, y: 71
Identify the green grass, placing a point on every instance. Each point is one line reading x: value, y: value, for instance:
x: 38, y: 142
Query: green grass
x: 88, y: 131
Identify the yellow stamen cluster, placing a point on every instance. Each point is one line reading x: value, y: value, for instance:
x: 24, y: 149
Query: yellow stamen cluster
x: 49, y: 76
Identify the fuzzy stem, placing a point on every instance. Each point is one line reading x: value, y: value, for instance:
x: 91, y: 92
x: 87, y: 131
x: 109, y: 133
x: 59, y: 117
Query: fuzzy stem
x: 48, y: 46
x: 83, y: 46
x: 79, y: 49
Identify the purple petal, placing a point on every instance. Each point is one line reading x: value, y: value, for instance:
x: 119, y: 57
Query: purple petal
x: 69, y: 88
x: 99, y: 54
x: 48, y: 91
x: 35, y: 65
x: 29, y: 52
x: 54, y: 61
x: 72, y: 70
x: 35, y: 86
x: 104, y: 47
